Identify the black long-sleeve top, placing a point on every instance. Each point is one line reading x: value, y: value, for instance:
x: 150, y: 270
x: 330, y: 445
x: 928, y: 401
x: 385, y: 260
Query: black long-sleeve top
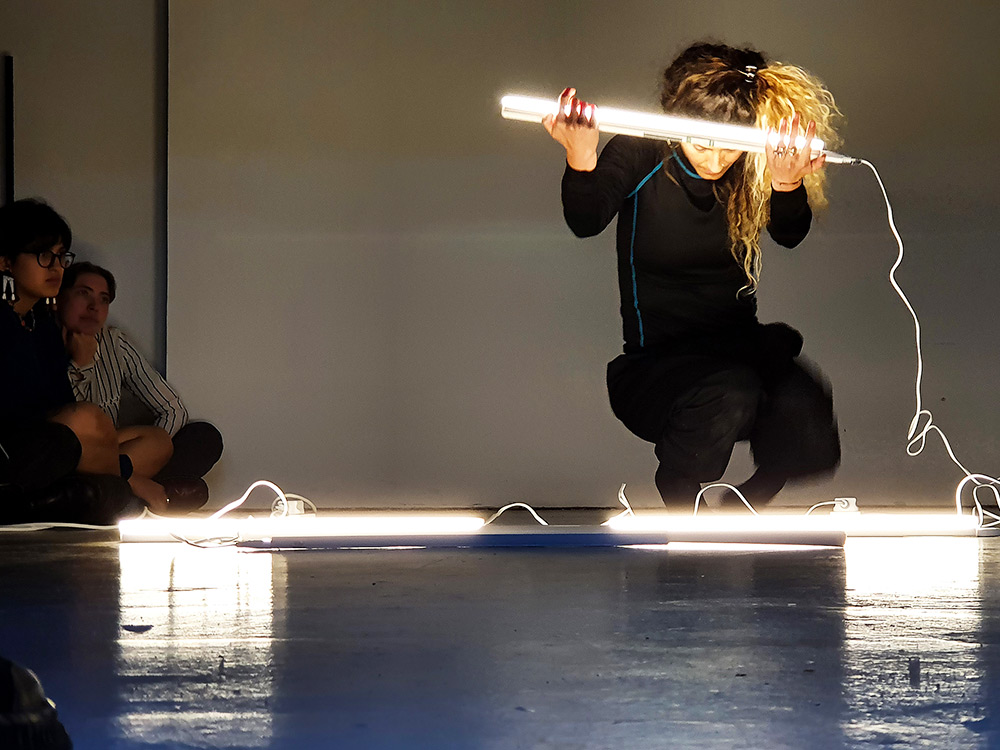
x: 677, y: 276
x: 33, y: 381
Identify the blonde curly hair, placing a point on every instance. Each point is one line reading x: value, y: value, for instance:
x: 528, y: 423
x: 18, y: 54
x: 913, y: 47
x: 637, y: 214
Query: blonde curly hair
x: 728, y: 84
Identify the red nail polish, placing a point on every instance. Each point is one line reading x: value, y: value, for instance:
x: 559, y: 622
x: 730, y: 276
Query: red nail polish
x: 565, y: 93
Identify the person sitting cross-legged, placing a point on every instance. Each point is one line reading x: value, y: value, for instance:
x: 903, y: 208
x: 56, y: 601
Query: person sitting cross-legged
x: 60, y: 461
x: 104, y: 364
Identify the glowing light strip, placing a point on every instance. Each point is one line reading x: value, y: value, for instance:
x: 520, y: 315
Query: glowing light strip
x: 663, y: 127
x: 729, y: 547
x: 855, y: 524
x: 250, y: 528
x: 439, y: 531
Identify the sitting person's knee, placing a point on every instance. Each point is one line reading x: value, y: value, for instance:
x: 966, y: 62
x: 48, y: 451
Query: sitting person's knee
x: 159, y: 440
x: 197, y: 448
x: 149, y: 434
x: 164, y: 444
x: 148, y: 448
x: 207, y: 436
x: 87, y: 421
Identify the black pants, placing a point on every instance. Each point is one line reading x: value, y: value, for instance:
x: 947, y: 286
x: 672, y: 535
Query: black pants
x: 39, y: 483
x: 35, y: 453
x: 197, y: 448
x: 695, y: 403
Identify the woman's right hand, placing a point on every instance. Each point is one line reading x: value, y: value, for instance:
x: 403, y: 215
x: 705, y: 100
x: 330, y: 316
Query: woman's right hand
x: 82, y: 347
x: 575, y: 128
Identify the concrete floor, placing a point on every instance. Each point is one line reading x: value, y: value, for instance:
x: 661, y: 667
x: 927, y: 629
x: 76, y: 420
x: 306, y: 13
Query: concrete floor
x: 166, y: 646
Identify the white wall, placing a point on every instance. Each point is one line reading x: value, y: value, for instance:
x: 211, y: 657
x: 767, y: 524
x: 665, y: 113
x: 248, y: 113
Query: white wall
x: 373, y: 294
x: 371, y: 288
x: 85, y: 138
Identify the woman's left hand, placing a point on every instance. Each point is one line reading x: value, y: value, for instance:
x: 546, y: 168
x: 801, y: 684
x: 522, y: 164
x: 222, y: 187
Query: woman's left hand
x: 787, y: 163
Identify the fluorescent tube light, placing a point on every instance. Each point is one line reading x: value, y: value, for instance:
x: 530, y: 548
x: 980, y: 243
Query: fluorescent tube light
x: 663, y: 127
x: 378, y: 530
x: 401, y: 527
x: 852, y: 524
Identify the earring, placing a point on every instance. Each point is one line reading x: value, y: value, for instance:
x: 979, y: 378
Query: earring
x: 9, y: 294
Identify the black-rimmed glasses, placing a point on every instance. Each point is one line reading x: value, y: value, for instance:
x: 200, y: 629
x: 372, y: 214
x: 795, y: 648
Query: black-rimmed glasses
x: 47, y: 258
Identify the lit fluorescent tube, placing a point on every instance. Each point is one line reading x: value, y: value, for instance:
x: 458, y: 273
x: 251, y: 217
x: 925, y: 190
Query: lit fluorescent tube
x: 664, y: 127
x: 300, y: 527
x: 333, y: 532
x: 856, y: 524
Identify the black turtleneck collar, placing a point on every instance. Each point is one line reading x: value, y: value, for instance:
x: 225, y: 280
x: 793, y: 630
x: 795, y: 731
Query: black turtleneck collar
x: 700, y: 192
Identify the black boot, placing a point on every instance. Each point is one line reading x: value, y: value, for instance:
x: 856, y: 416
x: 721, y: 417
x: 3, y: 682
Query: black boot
x: 81, y: 498
x: 759, y: 490
x: 185, y: 495
x: 677, y: 492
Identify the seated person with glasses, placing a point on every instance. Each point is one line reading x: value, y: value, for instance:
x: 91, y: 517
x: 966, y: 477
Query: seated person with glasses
x: 46, y: 437
x: 104, y: 364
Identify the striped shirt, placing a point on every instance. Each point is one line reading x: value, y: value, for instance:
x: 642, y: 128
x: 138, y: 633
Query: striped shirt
x: 117, y: 365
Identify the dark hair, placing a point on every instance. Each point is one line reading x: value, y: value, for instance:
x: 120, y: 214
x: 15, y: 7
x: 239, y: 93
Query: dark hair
x: 715, y: 82
x: 74, y: 271
x: 31, y: 226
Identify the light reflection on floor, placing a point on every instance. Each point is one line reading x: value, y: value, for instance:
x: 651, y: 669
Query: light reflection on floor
x: 500, y: 649
x: 203, y: 622
x: 912, y: 636
x: 197, y: 628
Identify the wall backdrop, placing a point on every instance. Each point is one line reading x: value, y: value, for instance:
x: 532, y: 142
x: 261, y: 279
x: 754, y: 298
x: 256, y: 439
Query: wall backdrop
x: 372, y: 291
x: 88, y: 139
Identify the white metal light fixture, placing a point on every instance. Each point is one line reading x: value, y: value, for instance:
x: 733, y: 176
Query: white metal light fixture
x: 663, y: 127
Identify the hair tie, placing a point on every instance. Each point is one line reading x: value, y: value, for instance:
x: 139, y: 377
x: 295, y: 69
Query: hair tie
x: 749, y: 72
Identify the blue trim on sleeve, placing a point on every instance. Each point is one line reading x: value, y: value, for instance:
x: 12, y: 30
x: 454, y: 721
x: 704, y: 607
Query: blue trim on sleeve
x: 631, y: 250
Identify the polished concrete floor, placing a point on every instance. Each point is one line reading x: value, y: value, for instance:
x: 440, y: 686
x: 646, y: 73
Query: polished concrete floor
x: 887, y: 643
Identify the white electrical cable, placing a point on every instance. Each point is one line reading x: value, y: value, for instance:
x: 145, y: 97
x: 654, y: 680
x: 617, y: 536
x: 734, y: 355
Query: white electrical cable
x: 43, y: 526
x: 703, y: 490
x: 982, y: 482
x: 229, y: 541
x: 820, y: 505
x: 237, y: 503
x: 527, y: 507
x: 918, y: 438
x: 624, y: 501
